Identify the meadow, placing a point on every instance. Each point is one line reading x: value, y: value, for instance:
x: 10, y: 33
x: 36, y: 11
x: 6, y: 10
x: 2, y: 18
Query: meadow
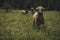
x: 16, y: 26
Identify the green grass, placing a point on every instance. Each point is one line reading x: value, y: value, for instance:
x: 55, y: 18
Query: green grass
x: 16, y: 26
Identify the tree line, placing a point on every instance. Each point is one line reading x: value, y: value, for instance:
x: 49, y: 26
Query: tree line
x: 27, y: 4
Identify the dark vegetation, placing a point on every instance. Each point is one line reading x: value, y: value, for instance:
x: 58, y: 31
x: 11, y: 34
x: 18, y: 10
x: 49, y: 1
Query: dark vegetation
x: 27, y: 4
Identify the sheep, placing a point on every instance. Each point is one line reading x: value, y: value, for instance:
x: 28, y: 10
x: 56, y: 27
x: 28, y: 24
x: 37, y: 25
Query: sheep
x: 38, y: 18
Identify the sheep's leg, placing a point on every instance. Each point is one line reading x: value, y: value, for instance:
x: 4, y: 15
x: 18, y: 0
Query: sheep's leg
x: 38, y: 23
x: 34, y: 22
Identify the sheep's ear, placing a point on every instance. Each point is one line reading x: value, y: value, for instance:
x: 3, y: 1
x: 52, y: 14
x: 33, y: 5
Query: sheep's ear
x: 36, y: 8
x: 43, y: 8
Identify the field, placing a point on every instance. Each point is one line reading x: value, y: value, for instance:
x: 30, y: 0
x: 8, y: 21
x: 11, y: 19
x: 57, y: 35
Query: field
x: 16, y: 26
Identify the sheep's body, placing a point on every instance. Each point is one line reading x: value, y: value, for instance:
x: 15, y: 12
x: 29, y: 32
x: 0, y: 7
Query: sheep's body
x: 38, y: 19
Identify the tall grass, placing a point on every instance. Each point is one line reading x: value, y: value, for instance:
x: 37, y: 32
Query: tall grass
x: 16, y: 26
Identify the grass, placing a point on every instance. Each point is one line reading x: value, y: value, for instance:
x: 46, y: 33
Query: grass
x: 16, y: 26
